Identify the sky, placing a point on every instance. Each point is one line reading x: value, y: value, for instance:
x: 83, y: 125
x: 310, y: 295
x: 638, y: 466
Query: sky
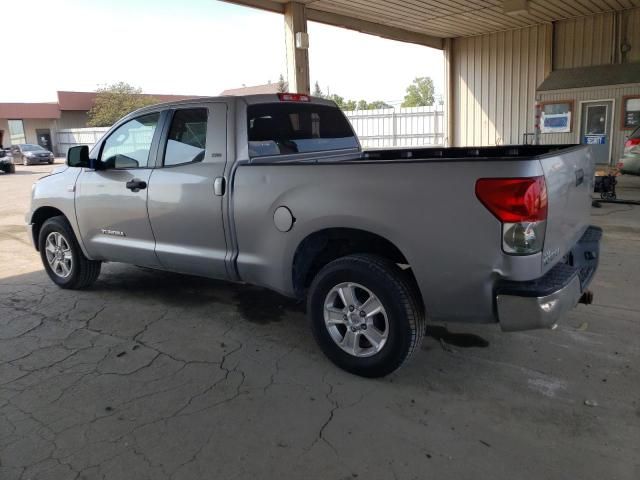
x: 190, y: 47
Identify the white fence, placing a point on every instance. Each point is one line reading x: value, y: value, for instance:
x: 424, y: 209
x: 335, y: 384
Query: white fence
x: 402, y: 127
x: 70, y: 137
x: 384, y: 128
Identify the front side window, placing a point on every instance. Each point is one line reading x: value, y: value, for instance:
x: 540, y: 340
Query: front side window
x: 16, y: 132
x: 187, y: 138
x: 129, y: 145
x: 286, y: 128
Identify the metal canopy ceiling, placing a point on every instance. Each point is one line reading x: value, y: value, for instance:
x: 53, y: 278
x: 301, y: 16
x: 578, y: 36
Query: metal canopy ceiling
x: 428, y: 21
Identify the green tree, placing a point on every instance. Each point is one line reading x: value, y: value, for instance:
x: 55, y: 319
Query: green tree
x: 419, y: 93
x: 362, y: 105
x: 349, y: 105
x: 283, y: 86
x: 114, y: 102
x: 317, y: 91
x: 337, y: 99
x: 378, y: 104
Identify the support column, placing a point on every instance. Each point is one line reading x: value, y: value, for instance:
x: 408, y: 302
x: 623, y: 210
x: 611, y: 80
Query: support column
x: 449, y: 85
x: 295, y: 21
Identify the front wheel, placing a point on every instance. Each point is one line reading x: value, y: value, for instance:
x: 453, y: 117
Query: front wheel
x: 62, y: 257
x: 25, y: 162
x: 364, y: 315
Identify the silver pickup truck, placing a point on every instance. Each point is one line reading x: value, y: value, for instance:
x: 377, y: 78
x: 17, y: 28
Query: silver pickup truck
x: 274, y: 190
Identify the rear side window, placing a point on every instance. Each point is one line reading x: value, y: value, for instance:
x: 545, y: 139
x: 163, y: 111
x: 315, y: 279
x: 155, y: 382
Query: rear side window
x: 286, y: 128
x: 187, y: 138
x: 636, y: 133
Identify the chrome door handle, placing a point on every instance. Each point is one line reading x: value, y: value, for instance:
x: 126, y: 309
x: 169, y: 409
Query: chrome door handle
x: 219, y: 186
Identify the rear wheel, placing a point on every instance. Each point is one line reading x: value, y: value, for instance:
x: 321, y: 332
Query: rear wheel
x: 62, y: 257
x: 364, y: 315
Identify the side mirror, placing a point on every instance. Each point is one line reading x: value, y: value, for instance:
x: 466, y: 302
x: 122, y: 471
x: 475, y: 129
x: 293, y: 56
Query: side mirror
x: 78, y: 157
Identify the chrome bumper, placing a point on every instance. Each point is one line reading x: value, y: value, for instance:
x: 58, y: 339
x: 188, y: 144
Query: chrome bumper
x: 540, y: 303
x: 528, y: 313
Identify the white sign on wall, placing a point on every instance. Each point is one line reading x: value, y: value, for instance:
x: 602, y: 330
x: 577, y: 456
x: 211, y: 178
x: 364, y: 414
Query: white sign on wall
x: 555, y: 122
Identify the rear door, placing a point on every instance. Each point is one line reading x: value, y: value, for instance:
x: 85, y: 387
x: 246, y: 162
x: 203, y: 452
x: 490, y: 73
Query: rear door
x: 185, y: 206
x: 569, y: 179
x: 111, y: 202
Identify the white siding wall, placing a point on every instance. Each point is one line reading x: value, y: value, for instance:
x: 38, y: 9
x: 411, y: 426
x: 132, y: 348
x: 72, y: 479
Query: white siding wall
x: 631, y: 33
x: 584, y: 41
x: 495, y: 78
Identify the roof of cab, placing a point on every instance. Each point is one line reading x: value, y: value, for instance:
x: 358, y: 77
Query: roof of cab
x: 248, y: 99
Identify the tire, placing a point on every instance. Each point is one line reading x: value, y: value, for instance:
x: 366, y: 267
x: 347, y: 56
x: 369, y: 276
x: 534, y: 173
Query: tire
x: 78, y: 271
x: 25, y: 162
x: 401, y: 316
x: 12, y: 168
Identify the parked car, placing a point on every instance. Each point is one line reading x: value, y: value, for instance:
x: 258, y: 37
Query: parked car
x: 274, y: 190
x: 28, y: 154
x: 630, y: 162
x: 6, y: 162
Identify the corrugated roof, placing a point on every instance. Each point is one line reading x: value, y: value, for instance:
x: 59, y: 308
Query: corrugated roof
x: 29, y: 110
x: 597, y: 76
x: 252, y: 90
x: 83, y: 101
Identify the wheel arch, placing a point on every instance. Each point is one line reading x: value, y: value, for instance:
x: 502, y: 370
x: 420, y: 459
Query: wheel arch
x: 323, y: 246
x: 41, y: 215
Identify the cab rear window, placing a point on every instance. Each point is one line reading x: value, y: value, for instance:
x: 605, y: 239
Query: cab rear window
x: 289, y: 128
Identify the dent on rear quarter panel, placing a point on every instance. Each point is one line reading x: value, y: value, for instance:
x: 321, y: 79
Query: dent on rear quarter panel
x: 427, y: 209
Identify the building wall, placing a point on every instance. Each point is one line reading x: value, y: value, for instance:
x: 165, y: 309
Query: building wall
x: 630, y: 25
x: 30, y: 126
x: 494, y: 84
x: 614, y: 93
x: 72, y: 119
x: 494, y: 77
x: 584, y: 41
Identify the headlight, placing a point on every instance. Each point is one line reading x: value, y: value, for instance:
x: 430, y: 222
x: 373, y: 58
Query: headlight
x: 28, y: 154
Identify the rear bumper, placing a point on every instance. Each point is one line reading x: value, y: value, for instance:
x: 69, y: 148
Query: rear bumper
x: 540, y: 303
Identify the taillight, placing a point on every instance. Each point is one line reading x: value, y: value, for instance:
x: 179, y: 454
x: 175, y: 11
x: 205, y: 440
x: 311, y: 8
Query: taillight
x: 293, y: 97
x: 630, y: 143
x: 521, y: 206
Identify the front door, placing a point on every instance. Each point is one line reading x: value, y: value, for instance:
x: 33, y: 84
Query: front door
x: 595, y: 129
x: 111, y: 201
x: 44, y: 138
x: 184, y: 207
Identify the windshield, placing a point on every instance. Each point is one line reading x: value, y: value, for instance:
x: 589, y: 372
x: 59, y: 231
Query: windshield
x: 31, y: 148
x: 286, y: 128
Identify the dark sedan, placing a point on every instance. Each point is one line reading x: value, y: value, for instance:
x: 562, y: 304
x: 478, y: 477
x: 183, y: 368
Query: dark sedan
x: 28, y: 154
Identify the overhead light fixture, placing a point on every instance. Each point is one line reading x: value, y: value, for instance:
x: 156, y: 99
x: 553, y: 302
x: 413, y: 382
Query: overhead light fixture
x: 516, y: 7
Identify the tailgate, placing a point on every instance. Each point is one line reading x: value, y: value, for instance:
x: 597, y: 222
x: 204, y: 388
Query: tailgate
x: 569, y: 178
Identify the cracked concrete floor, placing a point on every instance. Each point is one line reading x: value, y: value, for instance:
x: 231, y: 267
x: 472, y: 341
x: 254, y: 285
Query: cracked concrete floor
x: 154, y: 375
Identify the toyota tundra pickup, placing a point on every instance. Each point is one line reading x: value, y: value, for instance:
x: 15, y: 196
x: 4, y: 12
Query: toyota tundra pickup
x: 274, y: 190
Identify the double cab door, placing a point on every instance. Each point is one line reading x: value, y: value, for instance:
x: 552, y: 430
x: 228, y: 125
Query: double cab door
x: 151, y: 201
